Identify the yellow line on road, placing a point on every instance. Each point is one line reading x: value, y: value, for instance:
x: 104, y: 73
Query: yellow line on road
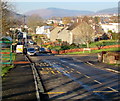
x: 43, y: 72
x: 71, y: 71
x: 67, y: 66
x: 52, y: 72
x: 58, y: 71
x: 55, y: 92
x: 50, y: 68
x: 67, y: 72
x: 78, y: 72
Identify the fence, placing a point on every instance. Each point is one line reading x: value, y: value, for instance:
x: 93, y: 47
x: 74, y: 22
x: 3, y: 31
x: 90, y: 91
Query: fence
x: 87, y: 49
x: 6, y: 52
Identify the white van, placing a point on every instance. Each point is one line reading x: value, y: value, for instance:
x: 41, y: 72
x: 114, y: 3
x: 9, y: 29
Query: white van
x: 19, y: 49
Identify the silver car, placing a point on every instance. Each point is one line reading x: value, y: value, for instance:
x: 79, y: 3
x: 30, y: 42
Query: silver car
x: 31, y: 51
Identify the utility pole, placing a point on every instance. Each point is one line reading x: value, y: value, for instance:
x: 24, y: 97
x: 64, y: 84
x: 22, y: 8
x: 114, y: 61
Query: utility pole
x: 25, y: 33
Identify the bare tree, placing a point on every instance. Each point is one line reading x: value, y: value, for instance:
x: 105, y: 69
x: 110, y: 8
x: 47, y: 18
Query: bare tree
x: 84, y: 34
x: 5, y: 9
x: 33, y: 21
x: 7, y: 18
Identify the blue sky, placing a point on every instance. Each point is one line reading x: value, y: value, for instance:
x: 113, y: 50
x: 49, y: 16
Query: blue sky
x: 23, y: 7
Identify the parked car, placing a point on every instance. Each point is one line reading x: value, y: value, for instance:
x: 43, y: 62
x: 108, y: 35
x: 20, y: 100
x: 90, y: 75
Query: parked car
x: 31, y: 42
x: 37, y: 48
x: 42, y: 50
x: 31, y: 51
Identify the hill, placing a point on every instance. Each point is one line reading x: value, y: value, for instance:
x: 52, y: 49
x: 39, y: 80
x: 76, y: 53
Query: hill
x: 57, y: 12
x: 108, y: 11
x: 50, y: 12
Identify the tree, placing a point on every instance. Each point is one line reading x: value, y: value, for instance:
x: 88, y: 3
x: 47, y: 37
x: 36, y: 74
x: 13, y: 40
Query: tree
x: 66, y: 20
x: 7, y: 18
x: 85, y: 34
x: 96, y: 20
x: 85, y: 19
x: 5, y: 12
x: 33, y: 21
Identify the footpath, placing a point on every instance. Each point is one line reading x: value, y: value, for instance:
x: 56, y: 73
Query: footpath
x: 18, y: 84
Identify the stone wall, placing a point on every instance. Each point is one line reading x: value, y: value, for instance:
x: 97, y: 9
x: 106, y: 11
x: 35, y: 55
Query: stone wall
x: 111, y: 57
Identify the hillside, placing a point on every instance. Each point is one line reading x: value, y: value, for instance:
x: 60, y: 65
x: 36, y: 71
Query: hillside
x: 49, y: 12
x: 58, y: 12
x: 108, y: 11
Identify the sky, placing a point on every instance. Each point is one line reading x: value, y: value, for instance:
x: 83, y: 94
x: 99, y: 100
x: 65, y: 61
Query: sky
x: 23, y: 6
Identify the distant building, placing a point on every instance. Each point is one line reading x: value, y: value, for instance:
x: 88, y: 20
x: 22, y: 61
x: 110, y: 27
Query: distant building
x: 114, y: 27
x: 44, y: 30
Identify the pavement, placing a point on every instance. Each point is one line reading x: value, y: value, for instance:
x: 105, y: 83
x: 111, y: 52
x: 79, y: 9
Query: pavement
x: 18, y: 84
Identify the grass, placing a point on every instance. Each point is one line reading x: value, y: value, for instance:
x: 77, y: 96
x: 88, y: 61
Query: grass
x: 104, y: 43
x: 6, y: 68
x: 94, y: 51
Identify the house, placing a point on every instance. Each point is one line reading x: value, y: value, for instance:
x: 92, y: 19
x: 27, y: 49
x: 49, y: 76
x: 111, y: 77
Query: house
x: 54, y: 33
x: 83, y: 33
x: 114, y: 27
x: 44, y: 30
x: 78, y: 33
x: 64, y: 35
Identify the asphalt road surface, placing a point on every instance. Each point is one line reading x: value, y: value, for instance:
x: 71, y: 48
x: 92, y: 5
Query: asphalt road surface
x: 67, y: 78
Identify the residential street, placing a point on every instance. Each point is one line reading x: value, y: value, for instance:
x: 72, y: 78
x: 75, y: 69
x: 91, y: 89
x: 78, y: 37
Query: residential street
x: 68, y: 77
x: 59, y: 51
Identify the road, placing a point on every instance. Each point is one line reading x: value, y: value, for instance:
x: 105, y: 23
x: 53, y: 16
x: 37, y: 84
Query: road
x: 67, y: 78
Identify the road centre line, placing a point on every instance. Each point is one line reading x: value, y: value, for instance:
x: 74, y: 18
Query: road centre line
x: 97, y: 81
x: 86, y: 76
x: 103, y: 91
x: 104, y: 68
x: 113, y: 89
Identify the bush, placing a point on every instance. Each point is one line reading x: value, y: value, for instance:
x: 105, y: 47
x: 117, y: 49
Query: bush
x: 65, y: 47
x: 82, y: 46
x: 55, y: 48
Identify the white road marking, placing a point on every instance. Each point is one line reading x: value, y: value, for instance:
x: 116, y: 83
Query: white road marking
x: 97, y: 81
x: 113, y: 89
x: 86, y: 76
